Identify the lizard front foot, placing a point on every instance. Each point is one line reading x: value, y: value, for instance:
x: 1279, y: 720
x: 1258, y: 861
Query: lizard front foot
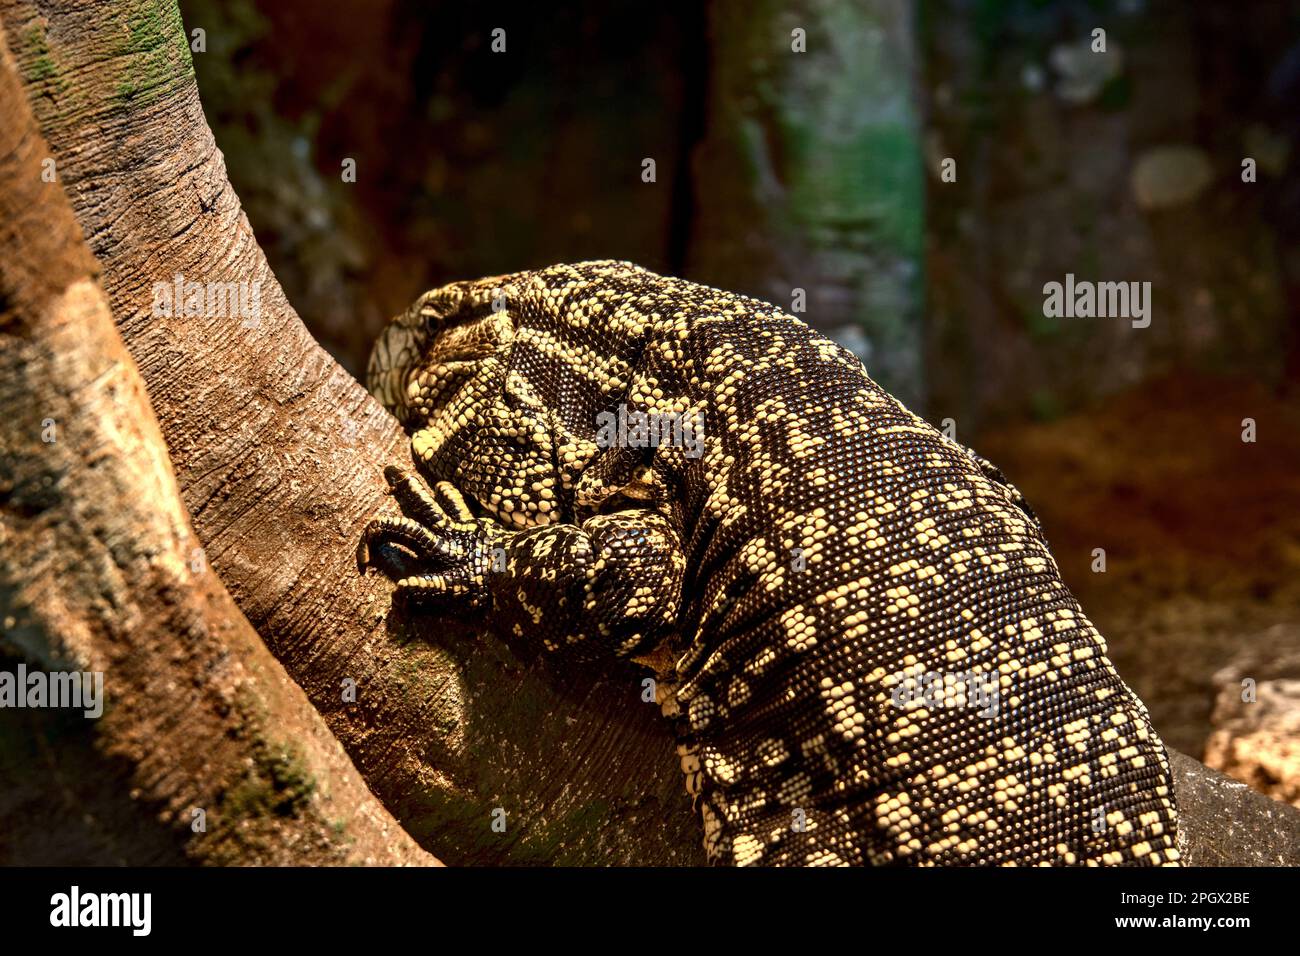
x: 453, y: 549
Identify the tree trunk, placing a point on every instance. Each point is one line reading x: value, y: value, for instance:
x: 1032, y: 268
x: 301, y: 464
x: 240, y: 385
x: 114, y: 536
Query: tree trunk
x: 811, y: 173
x: 205, y: 750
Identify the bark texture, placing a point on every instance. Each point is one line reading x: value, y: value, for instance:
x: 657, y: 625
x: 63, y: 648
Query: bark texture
x: 205, y: 750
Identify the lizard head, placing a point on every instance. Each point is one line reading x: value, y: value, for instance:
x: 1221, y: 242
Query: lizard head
x: 453, y: 324
x: 441, y: 368
x: 392, y: 358
x: 501, y: 383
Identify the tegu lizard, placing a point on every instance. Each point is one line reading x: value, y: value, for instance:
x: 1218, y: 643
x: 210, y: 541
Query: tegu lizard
x: 855, y: 622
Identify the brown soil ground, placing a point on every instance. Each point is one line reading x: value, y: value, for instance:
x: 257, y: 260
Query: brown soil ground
x: 1201, y: 530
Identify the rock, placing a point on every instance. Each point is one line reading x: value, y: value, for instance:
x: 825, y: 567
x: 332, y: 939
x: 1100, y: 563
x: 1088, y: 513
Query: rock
x: 1170, y: 176
x: 1260, y: 741
x: 1222, y: 822
x: 1256, y: 719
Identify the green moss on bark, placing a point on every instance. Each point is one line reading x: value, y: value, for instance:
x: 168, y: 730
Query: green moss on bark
x: 39, y: 66
x: 155, y: 56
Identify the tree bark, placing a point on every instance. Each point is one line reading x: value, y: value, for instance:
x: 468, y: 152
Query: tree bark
x: 279, y: 457
x: 205, y: 751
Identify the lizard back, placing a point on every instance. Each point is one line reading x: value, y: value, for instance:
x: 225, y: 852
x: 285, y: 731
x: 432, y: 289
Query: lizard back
x: 874, y: 659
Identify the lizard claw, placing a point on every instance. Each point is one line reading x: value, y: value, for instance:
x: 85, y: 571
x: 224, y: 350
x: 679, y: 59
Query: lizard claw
x: 394, y: 476
x: 435, y: 552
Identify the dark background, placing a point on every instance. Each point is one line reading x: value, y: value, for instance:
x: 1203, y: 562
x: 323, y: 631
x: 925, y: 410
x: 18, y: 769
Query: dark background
x: 778, y: 170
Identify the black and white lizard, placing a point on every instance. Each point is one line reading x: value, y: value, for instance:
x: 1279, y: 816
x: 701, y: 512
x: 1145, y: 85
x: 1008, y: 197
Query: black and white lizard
x: 856, y: 623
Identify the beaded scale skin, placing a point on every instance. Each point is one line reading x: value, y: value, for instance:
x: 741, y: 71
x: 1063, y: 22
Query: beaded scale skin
x: 796, y: 587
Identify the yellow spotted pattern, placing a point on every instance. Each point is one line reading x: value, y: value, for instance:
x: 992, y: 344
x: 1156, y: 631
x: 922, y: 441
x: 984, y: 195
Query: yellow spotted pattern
x: 824, y: 552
